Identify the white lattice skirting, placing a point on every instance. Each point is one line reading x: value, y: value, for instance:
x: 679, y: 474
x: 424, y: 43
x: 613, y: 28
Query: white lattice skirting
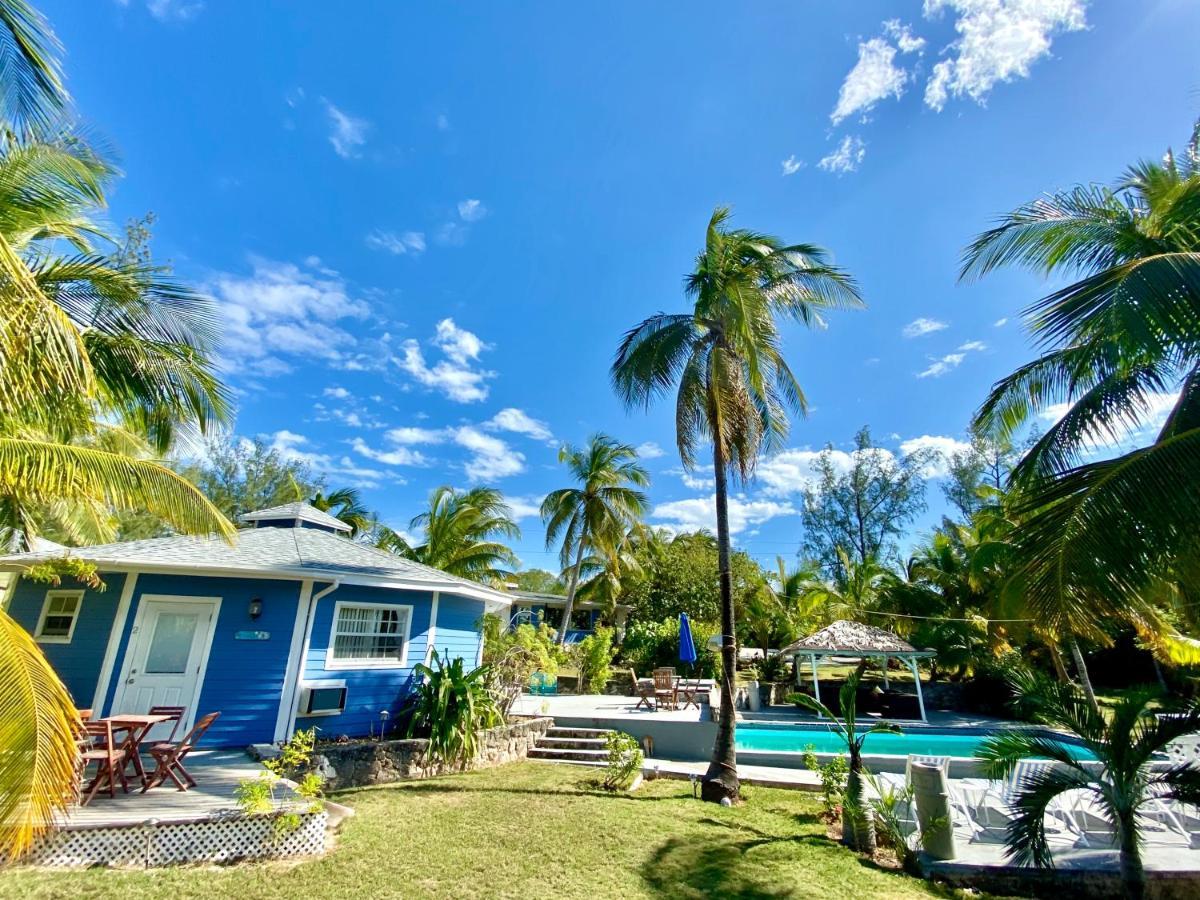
x: 217, y: 839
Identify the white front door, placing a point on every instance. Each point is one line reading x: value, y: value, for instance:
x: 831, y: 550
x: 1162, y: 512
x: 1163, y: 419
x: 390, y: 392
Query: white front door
x: 168, y: 649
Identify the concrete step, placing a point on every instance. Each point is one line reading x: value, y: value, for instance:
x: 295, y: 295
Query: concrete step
x: 590, y: 763
x: 578, y: 733
x: 599, y: 756
x: 573, y: 743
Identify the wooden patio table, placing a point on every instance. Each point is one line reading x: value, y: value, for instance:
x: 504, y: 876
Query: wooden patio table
x: 138, y: 726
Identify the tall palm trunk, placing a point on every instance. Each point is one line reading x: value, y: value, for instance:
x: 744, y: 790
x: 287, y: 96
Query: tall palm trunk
x: 1133, y: 874
x: 1085, y: 680
x: 1060, y: 667
x: 721, y: 779
x: 572, y: 587
x: 858, y: 827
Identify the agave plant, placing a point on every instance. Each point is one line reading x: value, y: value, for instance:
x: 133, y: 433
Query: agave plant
x: 451, y: 706
x: 858, y: 825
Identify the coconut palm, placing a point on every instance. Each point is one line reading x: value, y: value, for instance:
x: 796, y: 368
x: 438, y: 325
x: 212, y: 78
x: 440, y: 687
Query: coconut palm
x: 84, y: 340
x: 460, y: 531
x: 858, y: 825
x: 724, y: 359
x: 594, y: 517
x: 1123, y: 333
x: 345, y: 505
x: 1121, y: 786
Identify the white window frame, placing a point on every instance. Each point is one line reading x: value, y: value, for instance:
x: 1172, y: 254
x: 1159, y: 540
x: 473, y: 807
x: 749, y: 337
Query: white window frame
x: 401, y: 663
x: 58, y: 638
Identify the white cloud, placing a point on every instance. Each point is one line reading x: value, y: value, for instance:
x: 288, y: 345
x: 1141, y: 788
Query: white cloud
x: 700, y: 512
x: 791, y: 165
x: 170, y: 10
x: 847, y: 157
x: 942, y: 447
x: 294, y: 447
x: 410, y: 435
x: 471, y: 210
x: 518, y: 421
x: 874, y: 77
x: 524, y: 507
x: 491, y: 457
x: 998, y: 41
x: 921, y: 327
x: 903, y: 36
x: 1153, y: 415
x: 397, y: 243
x: 347, y: 133
x: 400, y: 456
x: 455, y: 376
x: 1000, y: 323
x: 282, y: 310
x: 969, y: 346
x: 794, y: 471
x: 338, y: 393
x: 443, y: 122
x: 940, y: 367
x: 650, y: 450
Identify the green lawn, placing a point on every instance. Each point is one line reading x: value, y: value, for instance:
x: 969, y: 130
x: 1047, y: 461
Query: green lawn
x: 531, y: 830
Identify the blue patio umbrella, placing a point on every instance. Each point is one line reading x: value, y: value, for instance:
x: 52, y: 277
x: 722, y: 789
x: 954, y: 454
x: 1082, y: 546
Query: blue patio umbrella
x: 687, y: 647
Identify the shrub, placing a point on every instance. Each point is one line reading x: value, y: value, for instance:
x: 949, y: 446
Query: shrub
x: 256, y: 796
x: 513, y: 656
x: 833, y: 780
x: 625, y: 760
x: 775, y: 669
x: 450, y: 707
x: 990, y: 690
x: 650, y: 645
x: 593, y: 658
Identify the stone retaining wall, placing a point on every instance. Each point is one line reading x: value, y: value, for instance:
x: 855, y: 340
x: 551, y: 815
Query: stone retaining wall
x: 360, y: 763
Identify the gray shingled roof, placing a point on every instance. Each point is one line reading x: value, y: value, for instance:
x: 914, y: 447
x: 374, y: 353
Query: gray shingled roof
x: 296, y: 511
x: 849, y: 638
x: 303, y: 552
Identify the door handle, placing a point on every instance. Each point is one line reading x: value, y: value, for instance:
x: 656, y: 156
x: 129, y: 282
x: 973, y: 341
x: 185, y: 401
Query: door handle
x: 129, y: 681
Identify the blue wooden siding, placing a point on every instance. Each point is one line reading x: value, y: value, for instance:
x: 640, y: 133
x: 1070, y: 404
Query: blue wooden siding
x: 244, y: 679
x: 370, y: 691
x: 77, y: 663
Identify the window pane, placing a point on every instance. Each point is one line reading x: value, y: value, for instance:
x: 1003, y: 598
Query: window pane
x: 172, y: 643
x: 369, y: 634
x: 57, y: 626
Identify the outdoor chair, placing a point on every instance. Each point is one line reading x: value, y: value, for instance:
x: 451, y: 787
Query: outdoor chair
x: 99, y: 747
x: 168, y: 758
x: 691, y: 690
x: 664, y: 687
x: 989, y: 811
x: 643, y: 689
x: 85, y: 715
x: 177, y: 714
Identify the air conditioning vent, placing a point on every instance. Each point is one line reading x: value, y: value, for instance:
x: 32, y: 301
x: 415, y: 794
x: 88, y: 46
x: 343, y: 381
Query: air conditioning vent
x: 322, y: 698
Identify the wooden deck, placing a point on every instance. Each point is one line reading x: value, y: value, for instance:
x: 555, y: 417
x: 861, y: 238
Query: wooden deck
x: 217, y: 774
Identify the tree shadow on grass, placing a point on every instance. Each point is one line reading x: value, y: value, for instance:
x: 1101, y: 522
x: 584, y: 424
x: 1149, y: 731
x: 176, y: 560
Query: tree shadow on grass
x: 422, y: 787
x: 683, y: 870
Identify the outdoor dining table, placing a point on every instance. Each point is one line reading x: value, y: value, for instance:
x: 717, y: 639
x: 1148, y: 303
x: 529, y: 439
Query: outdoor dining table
x: 137, y: 727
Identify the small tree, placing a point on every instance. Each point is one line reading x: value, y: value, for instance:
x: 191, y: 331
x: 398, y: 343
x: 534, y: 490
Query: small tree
x: 1122, y: 784
x: 858, y: 826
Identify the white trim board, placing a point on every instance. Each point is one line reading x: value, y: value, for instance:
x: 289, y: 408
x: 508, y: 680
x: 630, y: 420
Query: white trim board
x: 431, y: 634
x: 114, y: 643
x: 302, y: 663
x: 295, y: 662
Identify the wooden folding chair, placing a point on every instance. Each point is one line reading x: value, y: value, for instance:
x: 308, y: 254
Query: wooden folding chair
x: 665, y: 688
x: 168, y: 758
x: 643, y: 688
x: 177, y: 714
x: 85, y: 715
x: 108, y: 755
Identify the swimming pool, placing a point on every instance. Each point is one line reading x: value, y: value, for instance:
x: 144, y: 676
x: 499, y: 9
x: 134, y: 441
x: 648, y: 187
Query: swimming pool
x: 958, y: 743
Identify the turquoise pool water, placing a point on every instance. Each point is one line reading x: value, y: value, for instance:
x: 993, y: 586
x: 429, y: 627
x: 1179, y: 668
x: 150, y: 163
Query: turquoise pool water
x: 919, y: 741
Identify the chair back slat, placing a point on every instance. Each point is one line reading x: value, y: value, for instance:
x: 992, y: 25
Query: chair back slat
x: 177, y: 714
x: 664, y: 679
x: 193, y: 737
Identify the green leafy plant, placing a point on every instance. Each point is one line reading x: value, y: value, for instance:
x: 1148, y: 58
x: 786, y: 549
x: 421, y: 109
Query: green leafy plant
x: 888, y: 807
x: 593, y: 658
x: 450, y: 707
x: 625, y: 760
x: 51, y: 572
x: 858, y: 826
x: 774, y: 669
x: 833, y: 781
x: 1124, y: 743
x: 513, y: 656
x: 256, y: 796
x: 651, y: 645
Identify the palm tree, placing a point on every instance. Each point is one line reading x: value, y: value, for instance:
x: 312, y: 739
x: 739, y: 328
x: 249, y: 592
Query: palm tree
x: 89, y: 345
x: 460, y: 530
x: 1126, y: 329
x: 858, y: 824
x: 594, y: 517
x: 345, y: 505
x: 1124, y: 744
x: 733, y: 388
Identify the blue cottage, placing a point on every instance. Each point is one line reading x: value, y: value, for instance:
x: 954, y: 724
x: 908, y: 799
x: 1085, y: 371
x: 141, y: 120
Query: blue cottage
x: 293, y: 625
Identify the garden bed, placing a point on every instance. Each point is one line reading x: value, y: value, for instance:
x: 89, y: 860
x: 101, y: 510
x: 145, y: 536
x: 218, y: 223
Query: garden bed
x: 356, y: 763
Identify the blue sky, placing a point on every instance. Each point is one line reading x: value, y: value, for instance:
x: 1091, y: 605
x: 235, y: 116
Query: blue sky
x: 428, y: 224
